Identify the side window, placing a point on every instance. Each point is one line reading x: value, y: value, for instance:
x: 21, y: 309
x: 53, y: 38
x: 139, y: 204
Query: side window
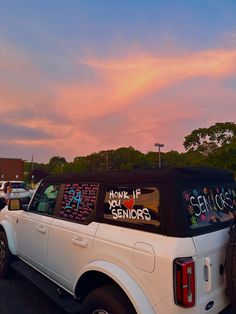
x: 207, y: 205
x: 78, y: 201
x: 132, y: 205
x: 45, y: 199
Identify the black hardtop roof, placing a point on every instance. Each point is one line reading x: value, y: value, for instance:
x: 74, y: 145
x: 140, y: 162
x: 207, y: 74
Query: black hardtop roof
x: 181, y: 174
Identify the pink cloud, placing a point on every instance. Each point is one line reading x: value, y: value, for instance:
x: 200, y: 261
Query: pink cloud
x: 124, y: 81
x: 125, y: 104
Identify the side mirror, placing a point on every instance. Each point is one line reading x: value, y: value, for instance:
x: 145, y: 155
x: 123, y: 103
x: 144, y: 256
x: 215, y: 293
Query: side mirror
x: 15, y: 204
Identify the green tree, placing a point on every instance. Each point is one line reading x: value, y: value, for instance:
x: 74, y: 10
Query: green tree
x: 224, y: 157
x: 193, y: 158
x: 56, y: 164
x: 172, y: 159
x: 106, y: 159
x: 151, y: 160
x: 94, y: 163
x: 176, y: 159
x: 209, y: 140
x: 127, y: 158
x: 80, y: 164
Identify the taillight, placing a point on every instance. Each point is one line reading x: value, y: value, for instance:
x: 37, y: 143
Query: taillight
x: 184, y: 282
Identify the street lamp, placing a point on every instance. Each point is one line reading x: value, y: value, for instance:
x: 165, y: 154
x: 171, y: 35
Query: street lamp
x: 159, y: 153
x: 62, y: 165
x: 32, y: 181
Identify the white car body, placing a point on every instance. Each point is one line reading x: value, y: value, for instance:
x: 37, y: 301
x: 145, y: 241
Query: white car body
x: 138, y: 261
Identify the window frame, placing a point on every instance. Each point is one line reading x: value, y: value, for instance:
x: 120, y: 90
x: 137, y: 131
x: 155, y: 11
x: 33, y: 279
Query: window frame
x: 181, y: 227
x: 43, y: 188
x: 90, y: 218
x: 202, y: 229
x: 145, y: 227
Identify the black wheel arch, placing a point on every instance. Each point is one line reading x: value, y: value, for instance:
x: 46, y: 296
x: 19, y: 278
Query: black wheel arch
x: 92, y: 280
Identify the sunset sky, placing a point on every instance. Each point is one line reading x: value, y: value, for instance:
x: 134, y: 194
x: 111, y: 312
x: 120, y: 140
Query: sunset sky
x: 81, y: 76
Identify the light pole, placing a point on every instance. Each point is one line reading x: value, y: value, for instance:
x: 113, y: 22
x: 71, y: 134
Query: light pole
x: 32, y: 181
x: 159, y: 153
x: 62, y: 165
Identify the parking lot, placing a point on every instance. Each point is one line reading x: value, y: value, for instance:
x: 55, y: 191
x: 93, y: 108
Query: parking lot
x: 19, y: 296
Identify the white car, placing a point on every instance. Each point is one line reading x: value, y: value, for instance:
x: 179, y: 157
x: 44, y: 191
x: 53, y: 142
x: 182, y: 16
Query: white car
x: 19, y: 190
x: 125, y: 242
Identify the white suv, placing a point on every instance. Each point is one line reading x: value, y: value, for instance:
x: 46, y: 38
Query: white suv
x: 19, y: 190
x: 125, y: 242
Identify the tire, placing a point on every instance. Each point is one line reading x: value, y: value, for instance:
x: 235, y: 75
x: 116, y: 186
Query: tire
x: 5, y: 256
x: 230, y: 266
x: 108, y: 299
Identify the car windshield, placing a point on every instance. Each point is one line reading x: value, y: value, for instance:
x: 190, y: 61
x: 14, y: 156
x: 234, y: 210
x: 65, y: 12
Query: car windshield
x: 19, y: 185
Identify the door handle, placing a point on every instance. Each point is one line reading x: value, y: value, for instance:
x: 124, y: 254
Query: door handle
x: 80, y: 242
x: 208, y: 274
x: 41, y: 229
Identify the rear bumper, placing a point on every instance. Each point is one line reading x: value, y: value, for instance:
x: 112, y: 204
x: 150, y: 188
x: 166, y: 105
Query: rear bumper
x: 221, y: 306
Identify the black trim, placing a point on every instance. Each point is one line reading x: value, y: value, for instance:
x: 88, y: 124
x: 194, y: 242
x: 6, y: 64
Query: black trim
x: 184, y: 174
x: 169, y: 181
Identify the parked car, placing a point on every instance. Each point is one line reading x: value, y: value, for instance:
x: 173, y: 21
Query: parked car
x: 144, y: 242
x: 19, y: 190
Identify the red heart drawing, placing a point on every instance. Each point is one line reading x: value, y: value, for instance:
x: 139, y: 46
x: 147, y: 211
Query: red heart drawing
x: 129, y: 203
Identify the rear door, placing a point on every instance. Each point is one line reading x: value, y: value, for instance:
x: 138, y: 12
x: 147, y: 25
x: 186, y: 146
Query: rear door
x: 72, y: 233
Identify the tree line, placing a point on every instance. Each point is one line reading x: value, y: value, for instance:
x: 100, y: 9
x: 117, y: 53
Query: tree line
x: 214, y: 146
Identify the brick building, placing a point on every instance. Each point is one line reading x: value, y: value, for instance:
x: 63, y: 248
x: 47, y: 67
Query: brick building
x: 11, y: 169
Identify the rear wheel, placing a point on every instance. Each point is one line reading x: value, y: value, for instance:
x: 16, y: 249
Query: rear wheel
x: 230, y: 266
x: 5, y: 256
x: 108, y: 299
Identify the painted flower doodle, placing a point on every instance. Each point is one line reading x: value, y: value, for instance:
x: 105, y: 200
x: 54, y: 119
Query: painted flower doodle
x: 186, y: 196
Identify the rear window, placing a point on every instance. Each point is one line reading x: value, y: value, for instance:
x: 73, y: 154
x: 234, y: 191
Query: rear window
x: 132, y: 205
x: 208, y: 205
x: 19, y: 185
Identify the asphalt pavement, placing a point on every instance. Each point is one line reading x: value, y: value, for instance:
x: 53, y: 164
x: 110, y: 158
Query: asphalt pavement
x: 19, y: 296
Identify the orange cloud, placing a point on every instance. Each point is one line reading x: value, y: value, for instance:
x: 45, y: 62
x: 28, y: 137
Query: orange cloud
x: 124, y: 81
x: 122, y: 89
